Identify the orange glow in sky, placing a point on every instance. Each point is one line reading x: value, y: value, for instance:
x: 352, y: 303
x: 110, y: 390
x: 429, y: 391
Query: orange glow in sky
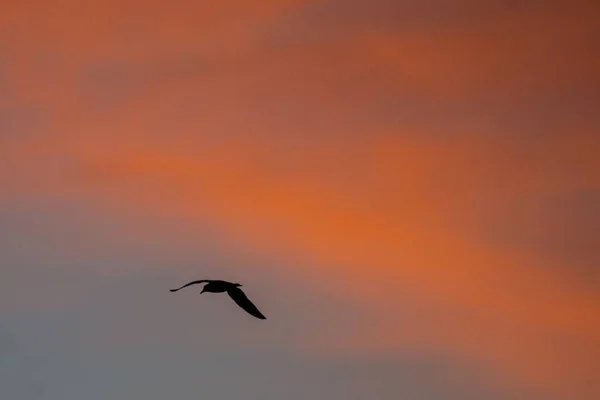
x: 434, y: 165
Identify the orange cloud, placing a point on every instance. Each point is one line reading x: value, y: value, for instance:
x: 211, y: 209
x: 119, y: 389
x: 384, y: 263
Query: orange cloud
x: 385, y: 216
x: 308, y: 149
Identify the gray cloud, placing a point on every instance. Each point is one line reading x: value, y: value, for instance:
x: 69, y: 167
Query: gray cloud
x: 90, y: 317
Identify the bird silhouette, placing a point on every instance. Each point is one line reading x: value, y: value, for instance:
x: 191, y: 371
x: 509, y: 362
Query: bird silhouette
x: 232, y: 289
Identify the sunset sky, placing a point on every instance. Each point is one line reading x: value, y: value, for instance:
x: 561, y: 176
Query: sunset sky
x: 408, y: 190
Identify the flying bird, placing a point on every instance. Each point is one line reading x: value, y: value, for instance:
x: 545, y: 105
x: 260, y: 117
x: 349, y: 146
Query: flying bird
x: 232, y: 289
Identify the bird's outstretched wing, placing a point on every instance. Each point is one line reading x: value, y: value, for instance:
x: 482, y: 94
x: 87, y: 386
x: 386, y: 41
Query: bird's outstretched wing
x: 188, y: 284
x: 240, y: 298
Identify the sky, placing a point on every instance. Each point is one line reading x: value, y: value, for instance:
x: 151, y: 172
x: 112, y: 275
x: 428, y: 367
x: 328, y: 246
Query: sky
x: 409, y: 191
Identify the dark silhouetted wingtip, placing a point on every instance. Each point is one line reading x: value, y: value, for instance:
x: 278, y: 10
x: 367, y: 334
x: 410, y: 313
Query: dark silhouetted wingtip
x: 189, y: 284
x: 240, y: 298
